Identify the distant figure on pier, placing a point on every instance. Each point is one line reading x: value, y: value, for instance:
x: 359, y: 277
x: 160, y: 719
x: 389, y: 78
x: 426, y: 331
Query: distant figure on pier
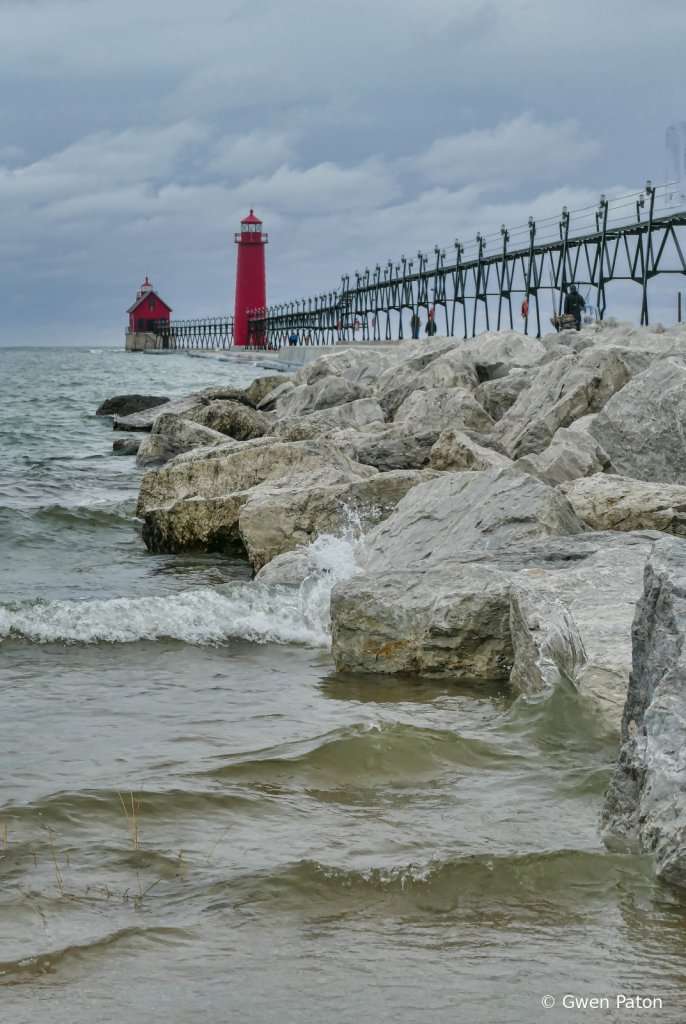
x: 415, y: 324
x: 431, y: 324
x: 574, y: 304
x: 293, y: 340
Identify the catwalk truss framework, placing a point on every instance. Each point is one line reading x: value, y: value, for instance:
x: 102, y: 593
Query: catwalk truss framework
x: 459, y: 284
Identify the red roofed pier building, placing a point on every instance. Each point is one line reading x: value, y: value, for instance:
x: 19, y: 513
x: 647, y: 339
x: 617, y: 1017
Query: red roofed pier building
x: 251, y: 288
x: 148, y: 313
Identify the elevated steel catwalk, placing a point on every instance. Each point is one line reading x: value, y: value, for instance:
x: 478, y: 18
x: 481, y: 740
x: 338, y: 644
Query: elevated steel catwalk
x: 380, y: 302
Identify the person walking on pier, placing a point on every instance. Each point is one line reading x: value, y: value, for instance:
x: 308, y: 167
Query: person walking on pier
x: 431, y: 324
x: 574, y: 305
x: 415, y: 324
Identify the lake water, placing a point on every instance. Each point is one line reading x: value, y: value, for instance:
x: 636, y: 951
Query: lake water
x: 397, y: 849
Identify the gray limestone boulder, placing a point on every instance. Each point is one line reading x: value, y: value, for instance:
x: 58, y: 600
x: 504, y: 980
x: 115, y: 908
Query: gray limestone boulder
x: 357, y: 415
x: 126, y: 445
x: 642, y: 427
x: 561, y: 392
x: 326, y: 393
x: 195, y: 525
x: 279, y: 519
x: 181, y: 406
x: 552, y: 612
x: 396, y: 451
x: 438, y: 408
x: 645, y: 807
x: 290, y: 567
x: 262, y: 387
x: 620, y: 503
x: 455, y: 452
x: 242, y: 466
x: 497, y: 396
x: 496, y: 353
x: 268, y: 403
x: 413, y: 358
x: 231, y: 419
x: 570, y: 455
x: 359, y: 365
x: 467, y: 511
x: 125, y: 405
x: 186, y: 432
x: 156, y: 449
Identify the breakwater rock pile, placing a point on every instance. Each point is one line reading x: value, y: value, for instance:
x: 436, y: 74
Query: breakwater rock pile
x: 517, y: 506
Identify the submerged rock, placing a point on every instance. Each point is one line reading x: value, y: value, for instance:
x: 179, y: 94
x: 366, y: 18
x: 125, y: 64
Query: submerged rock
x: 124, y: 405
x: 646, y: 803
x: 619, y: 503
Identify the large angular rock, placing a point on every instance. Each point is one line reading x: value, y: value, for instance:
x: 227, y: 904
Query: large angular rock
x: 496, y: 353
x: 455, y: 452
x: 620, y: 503
x: 246, y: 465
x: 467, y: 511
x: 360, y: 365
x: 325, y: 393
x: 561, y: 392
x: 156, y: 449
x: 646, y: 803
x: 395, y: 450
x: 232, y: 419
x: 358, y: 415
x: 450, y: 370
x: 196, y: 525
x: 497, y: 396
x: 186, y: 432
x: 279, y: 519
x: 570, y: 455
x: 413, y: 357
x: 439, y: 408
x: 125, y: 405
x: 642, y: 427
x: 268, y: 403
x: 172, y: 435
x: 555, y: 612
x: 261, y: 387
x: 181, y: 406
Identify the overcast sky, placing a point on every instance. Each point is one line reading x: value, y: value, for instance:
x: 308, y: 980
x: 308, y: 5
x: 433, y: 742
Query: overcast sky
x: 135, y: 135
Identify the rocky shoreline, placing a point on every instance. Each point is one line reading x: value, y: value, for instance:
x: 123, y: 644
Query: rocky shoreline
x: 518, y: 507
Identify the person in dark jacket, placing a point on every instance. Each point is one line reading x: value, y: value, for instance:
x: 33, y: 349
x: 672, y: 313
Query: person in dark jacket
x: 415, y: 325
x: 574, y: 304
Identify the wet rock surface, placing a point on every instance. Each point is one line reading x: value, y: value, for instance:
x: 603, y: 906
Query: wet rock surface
x: 645, y: 805
x: 125, y: 405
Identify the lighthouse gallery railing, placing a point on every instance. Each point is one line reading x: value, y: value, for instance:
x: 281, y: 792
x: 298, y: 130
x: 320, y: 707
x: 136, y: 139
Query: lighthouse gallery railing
x: 466, y: 286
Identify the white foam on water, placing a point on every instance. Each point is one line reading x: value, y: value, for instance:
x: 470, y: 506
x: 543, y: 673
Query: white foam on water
x: 277, y: 613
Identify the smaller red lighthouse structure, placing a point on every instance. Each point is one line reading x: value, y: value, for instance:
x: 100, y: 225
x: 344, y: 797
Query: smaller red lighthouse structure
x: 148, y: 310
x: 251, y: 288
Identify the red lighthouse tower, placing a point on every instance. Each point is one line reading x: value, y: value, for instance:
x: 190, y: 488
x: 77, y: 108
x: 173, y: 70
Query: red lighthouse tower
x: 251, y: 288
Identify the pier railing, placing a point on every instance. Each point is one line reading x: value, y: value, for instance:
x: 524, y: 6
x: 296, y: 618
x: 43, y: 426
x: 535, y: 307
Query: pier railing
x: 207, y: 333
x: 496, y: 281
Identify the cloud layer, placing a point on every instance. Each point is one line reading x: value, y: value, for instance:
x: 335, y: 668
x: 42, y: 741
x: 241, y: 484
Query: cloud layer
x: 136, y: 137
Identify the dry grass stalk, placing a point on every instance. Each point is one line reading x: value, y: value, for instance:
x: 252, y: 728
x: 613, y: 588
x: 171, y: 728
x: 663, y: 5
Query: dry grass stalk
x: 4, y: 836
x: 35, y: 862
x: 219, y: 841
x: 57, y: 870
x: 135, y: 813
x: 140, y: 891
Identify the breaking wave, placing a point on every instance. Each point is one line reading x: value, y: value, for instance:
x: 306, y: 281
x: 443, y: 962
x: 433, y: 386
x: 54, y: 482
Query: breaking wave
x: 277, y: 613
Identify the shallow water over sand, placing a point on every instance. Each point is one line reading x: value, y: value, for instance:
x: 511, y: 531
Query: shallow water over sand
x: 397, y: 849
